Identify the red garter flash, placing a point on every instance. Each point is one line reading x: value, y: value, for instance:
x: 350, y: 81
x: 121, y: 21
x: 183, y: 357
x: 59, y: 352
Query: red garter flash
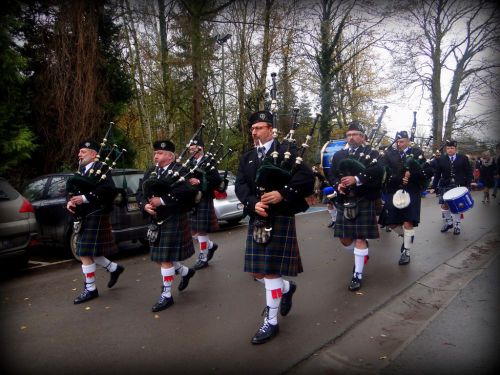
x: 203, y: 246
x: 276, y: 293
x: 168, y: 278
x: 90, y: 274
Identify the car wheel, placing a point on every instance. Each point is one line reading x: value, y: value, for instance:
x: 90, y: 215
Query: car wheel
x: 144, y: 241
x: 72, y: 245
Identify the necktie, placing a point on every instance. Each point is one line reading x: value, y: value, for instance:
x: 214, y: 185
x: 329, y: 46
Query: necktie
x: 452, y: 159
x: 82, y: 170
x: 402, y: 154
x: 261, y: 152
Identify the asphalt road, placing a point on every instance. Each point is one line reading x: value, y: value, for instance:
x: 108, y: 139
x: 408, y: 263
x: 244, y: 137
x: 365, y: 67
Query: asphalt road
x: 209, y: 328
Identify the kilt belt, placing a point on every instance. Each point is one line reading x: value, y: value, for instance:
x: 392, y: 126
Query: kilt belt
x: 280, y: 256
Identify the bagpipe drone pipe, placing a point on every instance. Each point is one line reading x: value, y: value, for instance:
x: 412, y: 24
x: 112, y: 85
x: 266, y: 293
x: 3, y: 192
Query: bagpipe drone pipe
x: 277, y: 170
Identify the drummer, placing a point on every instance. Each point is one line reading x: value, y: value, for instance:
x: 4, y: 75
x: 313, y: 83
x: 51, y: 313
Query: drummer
x: 451, y: 170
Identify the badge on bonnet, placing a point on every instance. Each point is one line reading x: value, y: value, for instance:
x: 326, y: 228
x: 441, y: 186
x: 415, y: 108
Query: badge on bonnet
x: 262, y: 116
x: 163, y: 145
x: 87, y: 144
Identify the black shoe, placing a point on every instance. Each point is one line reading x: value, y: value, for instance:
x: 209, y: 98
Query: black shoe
x: 387, y: 229
x: 355, y: 284
x: 405, y: 257
x: 200, y: 264
x: 162, y: 304
x: 185, y: 280
x: 286, y: 300
x: 86, y: 295
x: 456, y: 231
x: 446, y: 227
x: 113, y: 278
x: 211, y: 251
x: 331, y: 225
x: 265, y: 333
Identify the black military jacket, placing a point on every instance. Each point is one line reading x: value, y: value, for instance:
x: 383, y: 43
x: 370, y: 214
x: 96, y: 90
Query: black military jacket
x: 370, y: 176
x: 461, y: 170
x: 300, y: 185
x: 178, y: 198
x: 396, y: 166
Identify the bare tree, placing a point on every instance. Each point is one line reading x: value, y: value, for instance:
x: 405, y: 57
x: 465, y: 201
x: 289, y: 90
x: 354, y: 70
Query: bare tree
x: 448, y: 55
x: 345, y: 33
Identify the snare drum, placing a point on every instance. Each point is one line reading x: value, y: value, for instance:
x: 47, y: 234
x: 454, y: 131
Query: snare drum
x: 327, y: 152
x: 459, y: 199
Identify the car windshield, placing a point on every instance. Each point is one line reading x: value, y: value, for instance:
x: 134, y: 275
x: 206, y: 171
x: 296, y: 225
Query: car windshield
x: 34, y: 190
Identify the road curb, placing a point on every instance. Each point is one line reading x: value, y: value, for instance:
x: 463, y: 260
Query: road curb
x: 370, y: 344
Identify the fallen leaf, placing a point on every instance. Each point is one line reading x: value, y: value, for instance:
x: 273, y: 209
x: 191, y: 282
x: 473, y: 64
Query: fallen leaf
x: 23, y: 328
x: 87, y: 308
x: 359, y: 293
x: 382, y: 357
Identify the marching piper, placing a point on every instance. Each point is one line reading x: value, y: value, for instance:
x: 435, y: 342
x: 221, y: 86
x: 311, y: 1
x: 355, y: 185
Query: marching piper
x: 407, y: 170
x: 268, y: 262
x: 451, y: 170
x: 94, y: 239
x: 357, y: 177
x: 170, y: 234
x: 204, y: 220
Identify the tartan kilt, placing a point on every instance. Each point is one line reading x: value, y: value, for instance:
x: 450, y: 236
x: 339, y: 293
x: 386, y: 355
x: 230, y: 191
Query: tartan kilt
x: 204, y: 219
x: 280, y: 256
x: 391, y: 215
x: 174, y: 242
x: 362, y: 227
x: 95, y: 237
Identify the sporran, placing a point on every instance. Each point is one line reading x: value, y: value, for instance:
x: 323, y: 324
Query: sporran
x: 351, y: 210
x: 261, y: 234
x: 153, y: 230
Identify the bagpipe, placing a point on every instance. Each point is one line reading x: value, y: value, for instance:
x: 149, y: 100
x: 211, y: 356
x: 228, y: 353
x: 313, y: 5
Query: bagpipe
x: 80, y: 184
x: 413, y: 162
x: 276, y: 171
x: 169, y: 182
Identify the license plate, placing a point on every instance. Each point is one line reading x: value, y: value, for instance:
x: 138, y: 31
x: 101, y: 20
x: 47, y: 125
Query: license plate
x: 6, y: 244
x: 133, y: 206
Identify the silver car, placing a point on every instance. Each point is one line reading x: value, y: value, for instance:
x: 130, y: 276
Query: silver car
x: 18, y: 226
x: 229, y: 208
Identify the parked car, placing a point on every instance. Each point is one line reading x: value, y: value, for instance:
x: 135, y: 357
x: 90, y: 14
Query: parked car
x: 47, y: 194
x: 18, y: 226
x: 229, y: 208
